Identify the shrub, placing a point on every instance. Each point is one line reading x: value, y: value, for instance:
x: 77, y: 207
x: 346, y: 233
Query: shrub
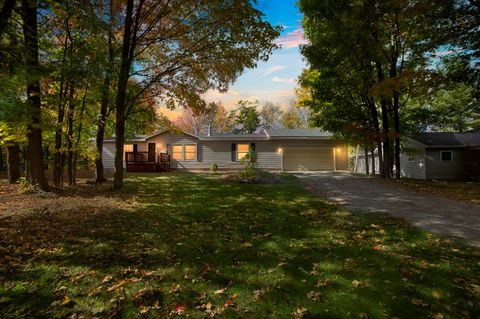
x: 214, y: 167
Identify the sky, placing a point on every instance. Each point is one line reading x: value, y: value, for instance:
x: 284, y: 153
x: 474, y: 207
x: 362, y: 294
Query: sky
x: 274, y: 80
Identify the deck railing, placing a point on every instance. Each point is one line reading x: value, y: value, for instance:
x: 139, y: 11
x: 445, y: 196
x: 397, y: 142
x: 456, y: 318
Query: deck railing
x: 149, y: 158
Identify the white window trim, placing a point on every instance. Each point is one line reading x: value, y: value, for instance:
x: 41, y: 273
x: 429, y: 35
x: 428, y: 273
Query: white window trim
x: 412, y: 158
x: 236, y: 152
x: 451, y: 156
x: 183, y: 152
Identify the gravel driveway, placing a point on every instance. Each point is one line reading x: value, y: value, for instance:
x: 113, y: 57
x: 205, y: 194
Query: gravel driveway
x: 430, y: 212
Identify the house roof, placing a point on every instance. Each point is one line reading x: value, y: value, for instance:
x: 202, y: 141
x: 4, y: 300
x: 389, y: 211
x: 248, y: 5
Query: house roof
x: 227, y: 137
x: 448, y: 139
x: 298, y: 133
x: 136, y: 138
x: 259, y: 135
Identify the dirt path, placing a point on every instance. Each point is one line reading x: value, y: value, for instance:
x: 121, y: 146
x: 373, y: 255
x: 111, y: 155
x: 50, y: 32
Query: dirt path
x: 430, y: 212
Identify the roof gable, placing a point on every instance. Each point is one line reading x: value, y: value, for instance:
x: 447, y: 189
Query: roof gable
x: 168, y: 131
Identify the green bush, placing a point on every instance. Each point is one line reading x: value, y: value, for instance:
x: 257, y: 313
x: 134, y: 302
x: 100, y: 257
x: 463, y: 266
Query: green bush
x: 214, y: 167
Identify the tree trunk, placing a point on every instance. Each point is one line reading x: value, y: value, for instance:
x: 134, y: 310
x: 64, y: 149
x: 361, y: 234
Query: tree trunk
x: 99, y: 170
x: 27, y: 164
x: 377, y: 138
x: 373, y: 160
x: 79, y: 136
x: 367, y: 167
x: 120, y: 102
x: 70, y: 120
x: 5, y: 14
x: 13, y: 163
x: 386, y: 128
x: 34, y: 135
x: 380, y: 156
x: 355, y: 167
x: 396, y: 119
x: 58, y: 156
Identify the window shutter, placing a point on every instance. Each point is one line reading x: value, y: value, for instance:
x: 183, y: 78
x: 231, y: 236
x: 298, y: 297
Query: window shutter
x: 234, y: 152
x: 252, y: 147
x: 199, y: 152
x: 169, y: 148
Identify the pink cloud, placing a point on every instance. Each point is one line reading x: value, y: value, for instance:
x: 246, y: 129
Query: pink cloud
x: 277, y: 79
x: 292, y: 39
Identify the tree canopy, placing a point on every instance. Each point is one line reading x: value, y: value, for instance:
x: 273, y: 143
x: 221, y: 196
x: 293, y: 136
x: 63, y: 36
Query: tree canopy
x: 74, y: 70
x: 368, y: 58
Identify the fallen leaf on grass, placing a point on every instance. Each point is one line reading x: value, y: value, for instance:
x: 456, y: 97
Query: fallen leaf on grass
x: 174, y: 287
x: 209, y: 306
x: 436, y: 294
x: 220, y: 291
x: 229, y: 303
x: 257, y: 294
x: 5, y: 299
x: 143, y: 310
x: 117, y: 286
x: 106, y: 279
x: 64, y: 302
x: 419, y: 302
x: 357, y: 283
x: 179, y: 309
x: 474, y: 289
x: 247, y: 244
x: 323, y: 283
x: 300, y: 313
x: 438, y: 316
x: 314, y: 295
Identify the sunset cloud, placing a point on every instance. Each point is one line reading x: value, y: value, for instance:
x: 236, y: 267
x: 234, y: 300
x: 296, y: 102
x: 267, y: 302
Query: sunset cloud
x: 270, y: 70
x: 282, y: 80
x: 292, y: 39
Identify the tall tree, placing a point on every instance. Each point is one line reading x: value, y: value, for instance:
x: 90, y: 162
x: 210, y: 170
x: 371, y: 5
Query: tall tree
x: 212, y: 119
x: 5, y: 14
x: 270, y: 115
x: 35, y: 151
x: 295, y: 118
x: 183, y: 48
x: 380, y: 48
x: 246, y: 117
x: 105, y: 100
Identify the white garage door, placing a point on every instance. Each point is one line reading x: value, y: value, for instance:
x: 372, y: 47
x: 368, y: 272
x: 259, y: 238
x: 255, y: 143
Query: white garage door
x: 311, y: 159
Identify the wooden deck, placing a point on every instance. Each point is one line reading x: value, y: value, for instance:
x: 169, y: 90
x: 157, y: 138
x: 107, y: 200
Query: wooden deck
x: 147, y: 162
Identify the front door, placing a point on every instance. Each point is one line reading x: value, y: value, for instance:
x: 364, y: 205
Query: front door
x: 151, y: 152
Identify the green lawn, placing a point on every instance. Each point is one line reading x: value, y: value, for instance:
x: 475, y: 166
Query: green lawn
x: 192, y: 245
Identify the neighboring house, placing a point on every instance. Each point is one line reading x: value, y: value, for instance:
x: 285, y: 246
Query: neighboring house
x: 277, y: 149
x: 441, y: 156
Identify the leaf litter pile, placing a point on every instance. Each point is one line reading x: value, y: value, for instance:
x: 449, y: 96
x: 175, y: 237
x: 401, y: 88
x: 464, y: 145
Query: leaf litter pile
x: 194, y: 246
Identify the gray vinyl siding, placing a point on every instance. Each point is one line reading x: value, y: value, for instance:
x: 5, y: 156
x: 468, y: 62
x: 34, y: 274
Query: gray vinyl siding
x: 108, y: 155
x: 464, y: 164
x: 413, y: 169
x: 220, y: 152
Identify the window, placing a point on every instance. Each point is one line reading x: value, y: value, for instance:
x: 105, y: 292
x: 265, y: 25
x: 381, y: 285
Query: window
x: 242, y: 150
x: 190, y: 152
x: 128, y: 148
x: 184, y: 152
x: 446, y: 156
x: 411, y: 157
x: 177, y: 152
